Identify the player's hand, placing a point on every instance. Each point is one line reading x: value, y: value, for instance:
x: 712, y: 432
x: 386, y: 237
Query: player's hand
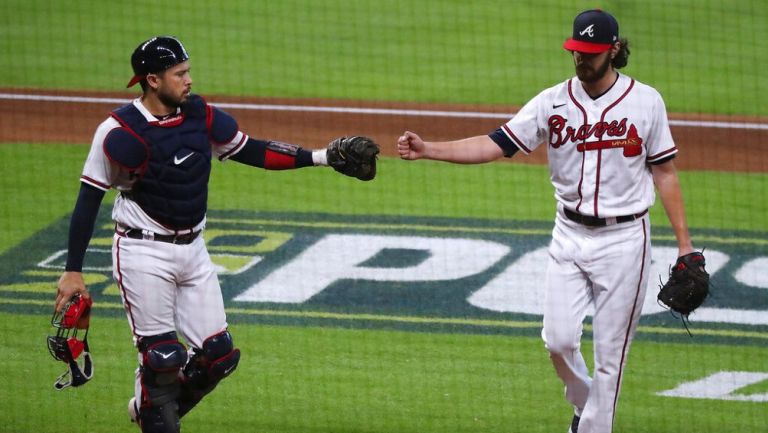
x: 70, y: 284
x: 410, y: 146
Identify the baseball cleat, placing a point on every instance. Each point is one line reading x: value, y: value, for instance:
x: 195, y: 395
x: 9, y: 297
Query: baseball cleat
x: 574, y: 425
x: 133, y: 410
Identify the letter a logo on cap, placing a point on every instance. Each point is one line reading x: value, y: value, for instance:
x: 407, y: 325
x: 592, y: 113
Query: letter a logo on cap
x: 589, y: 30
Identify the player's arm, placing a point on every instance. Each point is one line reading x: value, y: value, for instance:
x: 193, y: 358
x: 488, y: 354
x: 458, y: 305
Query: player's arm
x: 353, y: 156
x: 231, y: 143
x: 521, y: 133
x: 668, y: 184
x: 80, y: 232
x: 274, y: 155
x: 473, y: 150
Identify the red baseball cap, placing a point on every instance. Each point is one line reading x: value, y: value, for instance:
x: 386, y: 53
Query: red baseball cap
x: 594, y: 31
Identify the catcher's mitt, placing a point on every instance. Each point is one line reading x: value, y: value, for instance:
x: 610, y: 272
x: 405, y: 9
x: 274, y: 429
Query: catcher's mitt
x: 353, y: 156
x: 688, y: 284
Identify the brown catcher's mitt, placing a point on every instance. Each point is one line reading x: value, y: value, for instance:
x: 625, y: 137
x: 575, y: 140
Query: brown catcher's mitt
x: 688, y: 284
x: 353, y: 156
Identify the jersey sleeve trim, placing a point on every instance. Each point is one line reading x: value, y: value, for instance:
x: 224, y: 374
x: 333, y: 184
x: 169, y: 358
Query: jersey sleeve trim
x: 653, y: 158
x: 663, y: 160
x: 235, y: 149
x: 94, y: 183
x: 515, y: 140
x: 505, y: 143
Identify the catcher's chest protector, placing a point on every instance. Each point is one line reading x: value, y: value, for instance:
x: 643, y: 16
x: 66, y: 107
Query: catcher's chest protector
x: 174, y: 187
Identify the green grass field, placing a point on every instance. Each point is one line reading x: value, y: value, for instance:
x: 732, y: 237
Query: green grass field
x: 294, y: 380
x: 328, y: 379
x: 338, y: 376
x: 725, y: 201
x: 497, y: 52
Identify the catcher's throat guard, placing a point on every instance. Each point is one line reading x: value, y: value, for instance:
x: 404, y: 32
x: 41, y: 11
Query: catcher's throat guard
x: 66, y: 346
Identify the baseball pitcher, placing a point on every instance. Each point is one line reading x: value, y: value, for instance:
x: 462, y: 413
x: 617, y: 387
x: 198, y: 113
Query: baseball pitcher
x: 609, y: 149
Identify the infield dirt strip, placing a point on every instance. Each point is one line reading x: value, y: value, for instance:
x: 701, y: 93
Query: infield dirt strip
x: 706, y: 142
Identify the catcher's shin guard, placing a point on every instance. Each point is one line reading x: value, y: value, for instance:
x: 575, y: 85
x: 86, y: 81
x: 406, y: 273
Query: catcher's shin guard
x: 163, y: 357
x: 216, y: 360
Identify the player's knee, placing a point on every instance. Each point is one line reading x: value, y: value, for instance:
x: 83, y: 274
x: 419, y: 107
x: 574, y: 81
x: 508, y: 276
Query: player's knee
x: 222, y: 355
x: 216, y: 360
x: 163, y: 357
x: 209, y: 364
x: 560, y: 343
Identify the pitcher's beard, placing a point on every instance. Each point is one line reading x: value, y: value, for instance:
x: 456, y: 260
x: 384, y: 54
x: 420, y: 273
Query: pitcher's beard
x: 588, y: 75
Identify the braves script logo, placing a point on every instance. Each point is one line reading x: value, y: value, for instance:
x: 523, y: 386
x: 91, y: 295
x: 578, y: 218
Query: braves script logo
x: 560, y: 133
x: 170, y: 122
x: 590, y: 30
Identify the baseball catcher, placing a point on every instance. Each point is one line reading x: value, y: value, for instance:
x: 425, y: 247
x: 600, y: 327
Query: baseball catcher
x: 688, y: 284
x: 353, y: 156
x: 65, y: 346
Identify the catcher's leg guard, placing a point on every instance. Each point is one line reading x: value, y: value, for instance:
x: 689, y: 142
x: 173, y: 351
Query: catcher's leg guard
x: 216, y: 360
x: 163, y: 357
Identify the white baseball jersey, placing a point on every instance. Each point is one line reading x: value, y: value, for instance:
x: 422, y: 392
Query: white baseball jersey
x: 103, y: 174
x: 599, y: 152
x: 598, y: 149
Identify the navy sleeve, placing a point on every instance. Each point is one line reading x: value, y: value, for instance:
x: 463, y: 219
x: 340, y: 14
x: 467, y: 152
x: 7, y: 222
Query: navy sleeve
x: 81, y: 225
x: 273, y: 155
x: 499, y: 137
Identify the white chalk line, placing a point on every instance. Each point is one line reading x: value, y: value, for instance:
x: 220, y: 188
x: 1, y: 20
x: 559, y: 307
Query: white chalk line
x: 356, y: 110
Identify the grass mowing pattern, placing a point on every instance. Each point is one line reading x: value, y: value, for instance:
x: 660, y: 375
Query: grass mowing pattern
x: 294, y: 380
x: 335, y: 380
x: 726, y: 201
x: 704, y: 57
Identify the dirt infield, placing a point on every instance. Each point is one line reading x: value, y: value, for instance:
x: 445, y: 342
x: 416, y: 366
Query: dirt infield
x: 701, y: 147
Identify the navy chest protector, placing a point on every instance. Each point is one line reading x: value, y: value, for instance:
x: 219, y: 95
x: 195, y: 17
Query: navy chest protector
x: 172, y: 158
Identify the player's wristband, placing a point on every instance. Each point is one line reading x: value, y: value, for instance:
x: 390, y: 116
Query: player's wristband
x: 320, y: 157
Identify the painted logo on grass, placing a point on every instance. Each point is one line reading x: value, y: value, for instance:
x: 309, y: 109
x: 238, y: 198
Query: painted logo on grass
x: 452, y: 271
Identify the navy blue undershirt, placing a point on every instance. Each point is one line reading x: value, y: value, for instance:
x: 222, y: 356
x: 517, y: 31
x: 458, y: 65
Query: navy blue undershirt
x: 81, y: 225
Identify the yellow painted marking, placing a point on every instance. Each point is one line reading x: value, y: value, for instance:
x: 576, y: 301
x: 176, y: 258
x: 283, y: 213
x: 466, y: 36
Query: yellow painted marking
x: 50, y: 285
x: 270, y: 241
x: 112, y: 289
x: 510, y: 324
x: 438, y: 229
x: 39, y: 287
x: 273, y: 240
x: 421, y: 227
